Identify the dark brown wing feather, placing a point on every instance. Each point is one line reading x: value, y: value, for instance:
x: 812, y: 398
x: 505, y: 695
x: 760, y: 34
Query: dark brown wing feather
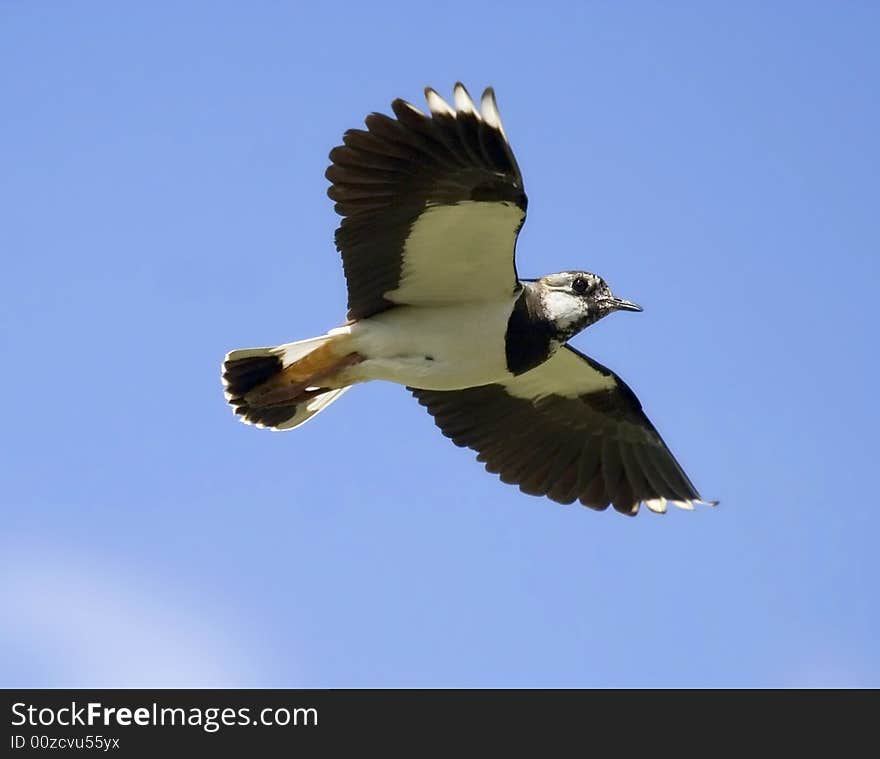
x: 432, y: 206
x: 569, y: 429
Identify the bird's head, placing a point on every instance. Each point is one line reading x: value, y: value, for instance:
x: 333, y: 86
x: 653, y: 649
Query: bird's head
x: 573, y: 300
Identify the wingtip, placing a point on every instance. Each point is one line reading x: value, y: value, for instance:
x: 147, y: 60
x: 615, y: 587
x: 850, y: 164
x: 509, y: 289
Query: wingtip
x: 489, y: 108
x: 438, y: 106
x: 399, y: 103
x: 691, y: 503
x: 657, y: 505
x: 463, y: 101
x: 488, y: 99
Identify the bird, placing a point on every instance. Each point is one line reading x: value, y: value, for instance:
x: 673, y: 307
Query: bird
x: 432, y: 204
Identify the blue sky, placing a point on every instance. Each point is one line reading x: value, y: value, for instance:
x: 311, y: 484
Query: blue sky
x: 163, y: 201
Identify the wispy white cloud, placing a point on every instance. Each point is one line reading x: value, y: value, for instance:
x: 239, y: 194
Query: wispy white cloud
x: 77, y: 624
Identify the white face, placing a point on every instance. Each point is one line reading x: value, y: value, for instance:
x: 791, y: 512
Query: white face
x: 565, y: 308
x: 573, y: 300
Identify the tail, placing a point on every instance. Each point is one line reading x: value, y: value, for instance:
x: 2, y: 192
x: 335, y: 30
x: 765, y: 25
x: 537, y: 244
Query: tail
x: 280, y: 388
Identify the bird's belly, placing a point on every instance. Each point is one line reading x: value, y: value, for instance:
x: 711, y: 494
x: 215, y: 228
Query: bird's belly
x: 434, y: 348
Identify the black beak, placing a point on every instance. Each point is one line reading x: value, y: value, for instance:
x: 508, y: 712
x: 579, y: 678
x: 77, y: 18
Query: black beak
x: 619, y: 304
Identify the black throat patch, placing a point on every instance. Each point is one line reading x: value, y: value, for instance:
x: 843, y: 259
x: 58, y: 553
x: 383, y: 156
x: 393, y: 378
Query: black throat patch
x: 530, y: 334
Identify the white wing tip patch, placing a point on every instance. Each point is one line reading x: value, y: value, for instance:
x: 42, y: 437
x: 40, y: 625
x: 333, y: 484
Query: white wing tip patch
x: 438, y: 106
x: 658, y: 505
x: 463, y: 102
x: 689, y: 505
x: 491, y: 114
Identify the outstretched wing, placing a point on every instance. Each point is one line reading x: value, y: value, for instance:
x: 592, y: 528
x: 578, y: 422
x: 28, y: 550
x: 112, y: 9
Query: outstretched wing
x: 432, y: 205
x: 569, y: 429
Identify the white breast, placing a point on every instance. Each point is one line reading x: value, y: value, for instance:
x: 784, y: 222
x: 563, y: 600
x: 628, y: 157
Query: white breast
x: 434, y: 348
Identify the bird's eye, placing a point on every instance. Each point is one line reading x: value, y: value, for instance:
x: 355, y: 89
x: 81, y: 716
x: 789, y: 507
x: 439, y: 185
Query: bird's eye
x: 579, y: 285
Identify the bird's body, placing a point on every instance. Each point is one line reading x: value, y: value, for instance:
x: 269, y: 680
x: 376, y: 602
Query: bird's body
x: 431, y: 347
x: 432, y: 208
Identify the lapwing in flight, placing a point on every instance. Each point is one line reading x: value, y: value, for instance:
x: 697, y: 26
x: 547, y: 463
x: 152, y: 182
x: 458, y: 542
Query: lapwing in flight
x: 431, y: 206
